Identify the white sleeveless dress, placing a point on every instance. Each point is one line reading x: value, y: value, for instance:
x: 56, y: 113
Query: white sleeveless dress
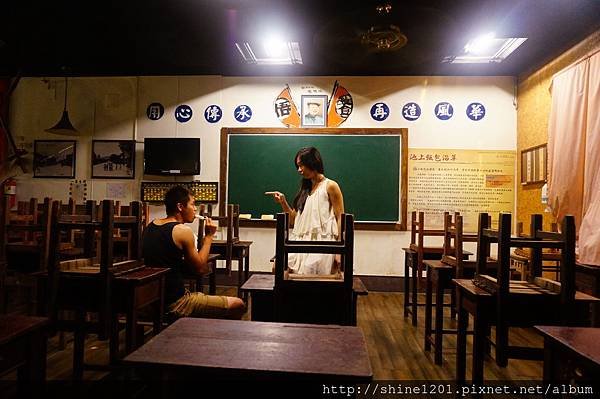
x: 316, y: 222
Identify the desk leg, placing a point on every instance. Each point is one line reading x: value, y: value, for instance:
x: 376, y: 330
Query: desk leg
x: 413, y: 279
x: 439, y: 315
x: 354, y: 305
x: 240, y: 276
x: 461, y: 339
x: 406, y: 285
x: 32, y: 375
x: 78, y: 344
x: 501, y: 342
x: 428, y: 295
x: 130, y: 325
x: 246, y: 273
x: 480, y: 327
x: 159, y: 308
x: 113, y: 343
x: 34, y: 369
x: 549, y: 360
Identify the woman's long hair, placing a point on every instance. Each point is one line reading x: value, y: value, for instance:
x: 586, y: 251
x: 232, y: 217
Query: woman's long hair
x: 311, y: 158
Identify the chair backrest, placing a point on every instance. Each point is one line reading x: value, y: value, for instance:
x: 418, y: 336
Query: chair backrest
x: 29, y: 226
x: 537, y: 241
x: 231, y: 221
x: 454, y: 239
x: 418, y: 233
x: 99, y: 280
x: 206, y: 211
x: 129, y: 222
x: 314, y: 299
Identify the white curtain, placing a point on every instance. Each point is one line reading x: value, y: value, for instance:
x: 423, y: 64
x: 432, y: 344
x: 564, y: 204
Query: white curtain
x: 574, y: 152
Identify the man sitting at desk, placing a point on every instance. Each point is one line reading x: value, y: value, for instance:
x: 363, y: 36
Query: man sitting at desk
x: 168, y: 242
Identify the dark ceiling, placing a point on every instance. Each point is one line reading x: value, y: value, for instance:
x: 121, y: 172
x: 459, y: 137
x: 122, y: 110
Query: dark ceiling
x: 178, y: 37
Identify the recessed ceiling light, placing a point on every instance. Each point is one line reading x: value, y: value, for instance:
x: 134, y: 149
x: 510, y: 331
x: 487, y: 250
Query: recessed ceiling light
x: 486, y: 49
x: 480, y: 45
x: 272, y: 52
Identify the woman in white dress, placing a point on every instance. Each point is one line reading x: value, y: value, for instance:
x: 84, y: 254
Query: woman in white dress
x: 315, y: 213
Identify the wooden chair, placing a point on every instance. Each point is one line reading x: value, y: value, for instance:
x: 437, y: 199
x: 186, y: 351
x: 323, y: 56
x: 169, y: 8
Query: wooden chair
x: 506, y: 303
x: 24, y: 236
x: 520, y: 257
x: 231, y: 222
x: 78, y: 286
x: 107, y: 289
x: 314, y: 299
x: 197, y: 281
x: 414, y: 256
x: 232, y: 248
x: 439, y: 278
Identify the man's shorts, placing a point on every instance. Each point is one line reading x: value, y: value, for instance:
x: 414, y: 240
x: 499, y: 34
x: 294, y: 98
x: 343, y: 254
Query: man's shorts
x: 197, y: 304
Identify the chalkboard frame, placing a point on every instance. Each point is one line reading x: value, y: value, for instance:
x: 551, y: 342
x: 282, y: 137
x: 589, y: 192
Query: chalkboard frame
x: 381, y: 226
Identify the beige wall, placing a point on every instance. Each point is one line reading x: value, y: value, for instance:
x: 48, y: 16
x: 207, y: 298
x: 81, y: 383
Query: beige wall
x: 533, y: 111
x: 115, y: 108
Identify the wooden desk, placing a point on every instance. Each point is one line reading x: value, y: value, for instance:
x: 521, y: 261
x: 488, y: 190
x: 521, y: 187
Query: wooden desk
x: 23, y: 345
x: 241, y: 253
x: 210, y: 350
x: 133, y: 291
x: 260, y: 286
x: 571, y: 355
x: 482, y: 305
x: 587, y: 279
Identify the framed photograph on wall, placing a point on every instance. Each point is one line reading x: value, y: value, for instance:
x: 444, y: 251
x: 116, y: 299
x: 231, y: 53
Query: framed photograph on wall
x: 534, y: 165
x: 54, y: 158
x: 314, y: 110
x: 113, y: 159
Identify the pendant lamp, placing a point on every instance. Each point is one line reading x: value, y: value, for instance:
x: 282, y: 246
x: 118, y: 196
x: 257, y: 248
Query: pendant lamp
x: 64, y: 125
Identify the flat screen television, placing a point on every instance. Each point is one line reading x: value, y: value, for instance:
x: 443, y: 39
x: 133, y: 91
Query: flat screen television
x: 172, y: 156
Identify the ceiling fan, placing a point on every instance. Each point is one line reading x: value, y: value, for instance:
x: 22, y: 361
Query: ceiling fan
x: 384, y: 33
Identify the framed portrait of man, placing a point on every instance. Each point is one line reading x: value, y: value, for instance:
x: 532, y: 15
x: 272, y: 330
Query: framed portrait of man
x: 314, y: 110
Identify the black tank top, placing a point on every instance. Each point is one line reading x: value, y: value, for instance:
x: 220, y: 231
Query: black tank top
x: 159, y: 250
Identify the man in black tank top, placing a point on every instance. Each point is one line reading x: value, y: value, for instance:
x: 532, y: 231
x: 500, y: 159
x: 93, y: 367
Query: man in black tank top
x: 168, y: 242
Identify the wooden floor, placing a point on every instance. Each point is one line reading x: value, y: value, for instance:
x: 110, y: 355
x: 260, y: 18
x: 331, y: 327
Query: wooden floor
x: 395, y: 347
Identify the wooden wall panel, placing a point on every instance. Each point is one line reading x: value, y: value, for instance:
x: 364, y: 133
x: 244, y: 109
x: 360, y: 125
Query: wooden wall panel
x: 533, y: 111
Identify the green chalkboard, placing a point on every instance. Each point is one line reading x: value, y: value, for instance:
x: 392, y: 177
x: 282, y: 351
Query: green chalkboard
x: 367, y: 168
